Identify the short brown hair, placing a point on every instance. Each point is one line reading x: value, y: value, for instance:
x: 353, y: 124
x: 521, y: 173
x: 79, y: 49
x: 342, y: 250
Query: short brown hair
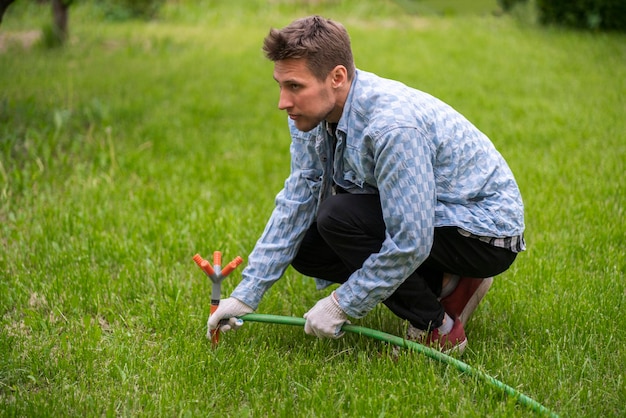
x: 322, y: 42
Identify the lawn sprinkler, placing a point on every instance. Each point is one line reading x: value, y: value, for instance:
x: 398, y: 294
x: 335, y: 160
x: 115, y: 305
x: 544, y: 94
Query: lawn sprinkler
x: 216, y: 274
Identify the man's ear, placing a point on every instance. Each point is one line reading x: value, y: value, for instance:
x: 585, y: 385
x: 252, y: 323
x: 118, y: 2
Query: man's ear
x: 339, y: 76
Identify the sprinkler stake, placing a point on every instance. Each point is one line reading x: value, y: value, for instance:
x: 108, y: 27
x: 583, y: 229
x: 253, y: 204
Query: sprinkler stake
x: 216, y: 275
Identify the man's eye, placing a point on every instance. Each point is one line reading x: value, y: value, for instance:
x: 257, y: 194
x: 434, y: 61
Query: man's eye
x: 294, y: 86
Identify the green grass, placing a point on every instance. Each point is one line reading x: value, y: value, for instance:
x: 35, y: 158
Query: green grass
x: 140, y: 144
x: 449, y: 7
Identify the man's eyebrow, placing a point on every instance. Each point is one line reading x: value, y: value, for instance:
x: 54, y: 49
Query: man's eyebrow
x: 288, y: 81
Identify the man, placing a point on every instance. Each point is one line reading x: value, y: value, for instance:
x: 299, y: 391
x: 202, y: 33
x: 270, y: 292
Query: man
x: 392, y: 193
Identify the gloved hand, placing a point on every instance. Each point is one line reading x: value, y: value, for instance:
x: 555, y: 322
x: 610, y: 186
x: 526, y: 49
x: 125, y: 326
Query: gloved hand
x: 325, y: 319
x: 228, y: 311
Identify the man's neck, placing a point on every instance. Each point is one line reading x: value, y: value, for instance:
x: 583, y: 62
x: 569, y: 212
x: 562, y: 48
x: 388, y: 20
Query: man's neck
x: 341, y: 95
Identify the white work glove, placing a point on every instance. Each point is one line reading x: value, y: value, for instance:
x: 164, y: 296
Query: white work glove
x: 226, y: 315
x: 325, y: 319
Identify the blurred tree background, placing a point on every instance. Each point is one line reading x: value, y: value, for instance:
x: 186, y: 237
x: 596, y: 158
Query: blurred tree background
x: 56, y: 33
x: 599, y: 15
x: 606, y: 15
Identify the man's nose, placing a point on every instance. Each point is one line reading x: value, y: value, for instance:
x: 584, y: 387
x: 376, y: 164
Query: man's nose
x: 284, y: 101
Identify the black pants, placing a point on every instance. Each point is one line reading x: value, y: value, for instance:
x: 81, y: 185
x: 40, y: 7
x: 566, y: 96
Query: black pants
x: 350, y: 227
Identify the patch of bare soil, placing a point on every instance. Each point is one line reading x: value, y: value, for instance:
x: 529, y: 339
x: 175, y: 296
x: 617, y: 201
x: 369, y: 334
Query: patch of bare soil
x: 23, y: 40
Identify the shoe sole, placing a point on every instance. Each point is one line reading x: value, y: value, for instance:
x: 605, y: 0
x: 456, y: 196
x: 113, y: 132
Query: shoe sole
x: 457, y: 349
x: 473, y: 302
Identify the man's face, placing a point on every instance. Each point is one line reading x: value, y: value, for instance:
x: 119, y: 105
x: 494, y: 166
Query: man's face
x: 307, y: 100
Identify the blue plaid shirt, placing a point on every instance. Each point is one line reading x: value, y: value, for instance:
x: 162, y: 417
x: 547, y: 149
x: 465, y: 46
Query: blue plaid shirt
x: 430, y: 166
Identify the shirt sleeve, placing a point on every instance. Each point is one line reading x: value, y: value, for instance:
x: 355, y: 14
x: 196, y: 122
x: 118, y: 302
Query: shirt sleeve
x: 294, y: 212
x: 405, y: 180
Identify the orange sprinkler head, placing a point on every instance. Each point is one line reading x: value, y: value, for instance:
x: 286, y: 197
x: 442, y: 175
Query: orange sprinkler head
x: 217, y: 258
x: 204, y: 265
x: 207, y: 268
x: 231, y: 266
x: 198, y: 259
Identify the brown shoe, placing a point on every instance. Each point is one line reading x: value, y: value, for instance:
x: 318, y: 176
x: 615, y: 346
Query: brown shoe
x: 464, y: 299
x: 453, y: 342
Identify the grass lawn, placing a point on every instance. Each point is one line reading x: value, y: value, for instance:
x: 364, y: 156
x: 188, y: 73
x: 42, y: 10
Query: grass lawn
x: 140, y: 144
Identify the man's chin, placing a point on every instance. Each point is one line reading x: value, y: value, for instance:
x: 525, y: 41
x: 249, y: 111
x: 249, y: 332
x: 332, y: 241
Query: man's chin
x: 306, y: 128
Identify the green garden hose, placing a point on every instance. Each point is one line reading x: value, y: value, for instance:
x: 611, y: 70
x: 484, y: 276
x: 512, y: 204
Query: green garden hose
x: 401, y: 342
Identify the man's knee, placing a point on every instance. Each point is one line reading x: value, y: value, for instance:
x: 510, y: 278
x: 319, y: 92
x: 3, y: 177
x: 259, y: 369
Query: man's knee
x: 301, y: 266
x: 327, y: 213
